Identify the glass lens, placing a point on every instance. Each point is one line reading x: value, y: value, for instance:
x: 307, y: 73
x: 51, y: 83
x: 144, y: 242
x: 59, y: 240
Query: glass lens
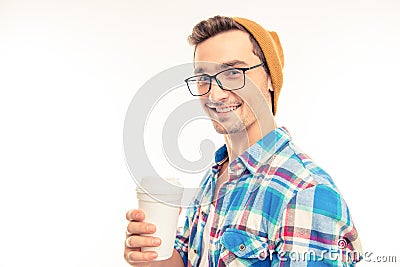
x: 199, y: 85
x: 231, y: 79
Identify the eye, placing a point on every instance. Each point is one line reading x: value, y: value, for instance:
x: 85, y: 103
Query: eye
x: 200, y: 80
x: 232, y: 73
x: 203, y: 78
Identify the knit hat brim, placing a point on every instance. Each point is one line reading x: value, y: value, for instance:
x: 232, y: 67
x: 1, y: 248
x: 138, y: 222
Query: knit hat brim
x: 271, y: 47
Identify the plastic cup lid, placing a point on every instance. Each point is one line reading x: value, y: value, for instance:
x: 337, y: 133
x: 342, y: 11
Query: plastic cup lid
x: 159, y: 186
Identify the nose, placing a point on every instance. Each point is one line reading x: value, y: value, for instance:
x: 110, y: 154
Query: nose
x: 216, y: 93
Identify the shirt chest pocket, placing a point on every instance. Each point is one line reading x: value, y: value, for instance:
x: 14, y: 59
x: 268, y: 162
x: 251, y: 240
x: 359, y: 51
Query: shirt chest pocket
x: 240, y: 248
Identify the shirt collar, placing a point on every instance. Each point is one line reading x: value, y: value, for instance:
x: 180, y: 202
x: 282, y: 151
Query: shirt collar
x: 221, y: 155
x: 258, y: 153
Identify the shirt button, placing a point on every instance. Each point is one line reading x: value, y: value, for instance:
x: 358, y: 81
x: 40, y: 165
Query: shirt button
x: 262, y: 255
x: 242, y: 247
x: 195, y: 251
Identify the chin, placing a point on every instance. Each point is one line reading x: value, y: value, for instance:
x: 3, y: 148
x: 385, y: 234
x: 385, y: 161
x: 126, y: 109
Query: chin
x: 232, y: 129
x: 219, y: 128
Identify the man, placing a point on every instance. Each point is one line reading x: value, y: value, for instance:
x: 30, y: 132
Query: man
x: 264, y: 202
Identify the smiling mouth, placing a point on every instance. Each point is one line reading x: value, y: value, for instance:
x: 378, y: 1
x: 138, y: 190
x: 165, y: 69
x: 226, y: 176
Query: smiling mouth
x: 224, y: 109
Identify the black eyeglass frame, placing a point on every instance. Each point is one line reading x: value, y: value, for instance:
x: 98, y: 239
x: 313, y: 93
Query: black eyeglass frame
x: 219, y: 82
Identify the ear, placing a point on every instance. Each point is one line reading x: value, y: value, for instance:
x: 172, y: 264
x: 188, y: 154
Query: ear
x: 270, y: 86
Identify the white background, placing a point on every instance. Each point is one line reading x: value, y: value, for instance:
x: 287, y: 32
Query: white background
x: 69, y: 69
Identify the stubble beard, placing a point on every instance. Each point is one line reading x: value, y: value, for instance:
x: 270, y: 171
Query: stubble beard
x: 241, y: 124
x: 230, y: 129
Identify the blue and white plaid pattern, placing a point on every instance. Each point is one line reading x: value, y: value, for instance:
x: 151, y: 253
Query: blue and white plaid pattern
x: 278, y: 208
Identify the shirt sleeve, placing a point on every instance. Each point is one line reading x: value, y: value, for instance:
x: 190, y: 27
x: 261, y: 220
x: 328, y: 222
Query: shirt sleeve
x: 184, y: 234
x: 182, y: 239
x: 317, y: 230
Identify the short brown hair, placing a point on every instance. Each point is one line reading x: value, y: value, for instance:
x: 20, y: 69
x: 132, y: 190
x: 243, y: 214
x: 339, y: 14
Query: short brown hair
x: 218, y: 24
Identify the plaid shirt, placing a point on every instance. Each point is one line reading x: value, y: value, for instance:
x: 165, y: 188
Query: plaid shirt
x: 278, y: 208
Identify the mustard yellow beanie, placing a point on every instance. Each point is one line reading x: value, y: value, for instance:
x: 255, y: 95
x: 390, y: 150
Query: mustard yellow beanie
x: 273, y: 53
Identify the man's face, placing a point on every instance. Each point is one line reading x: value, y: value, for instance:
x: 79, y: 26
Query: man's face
x: 239, y: 110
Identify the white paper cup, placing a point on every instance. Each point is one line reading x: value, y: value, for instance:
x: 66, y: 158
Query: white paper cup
x: 160, y: 199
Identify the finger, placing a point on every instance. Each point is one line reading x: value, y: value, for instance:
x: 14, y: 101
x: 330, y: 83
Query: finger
x: 140, y: 228
x: 134, y: 256
x: 135, y: 215
x: 138, y: 241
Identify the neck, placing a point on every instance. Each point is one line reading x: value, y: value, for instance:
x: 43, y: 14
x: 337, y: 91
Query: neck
x: 237, y: 143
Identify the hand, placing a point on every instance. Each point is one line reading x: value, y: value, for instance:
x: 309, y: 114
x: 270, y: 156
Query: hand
x: 134, y: 241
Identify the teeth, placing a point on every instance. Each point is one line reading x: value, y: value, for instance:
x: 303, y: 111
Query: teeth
x: 225, y: 109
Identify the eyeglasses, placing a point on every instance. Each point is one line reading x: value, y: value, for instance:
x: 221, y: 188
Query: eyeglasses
x: 230, y: 79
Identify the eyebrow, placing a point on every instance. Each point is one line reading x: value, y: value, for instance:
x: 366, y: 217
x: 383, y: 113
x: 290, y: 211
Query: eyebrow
x: 199, y: 70
x: 224, y: 65
x: 233, y: 63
